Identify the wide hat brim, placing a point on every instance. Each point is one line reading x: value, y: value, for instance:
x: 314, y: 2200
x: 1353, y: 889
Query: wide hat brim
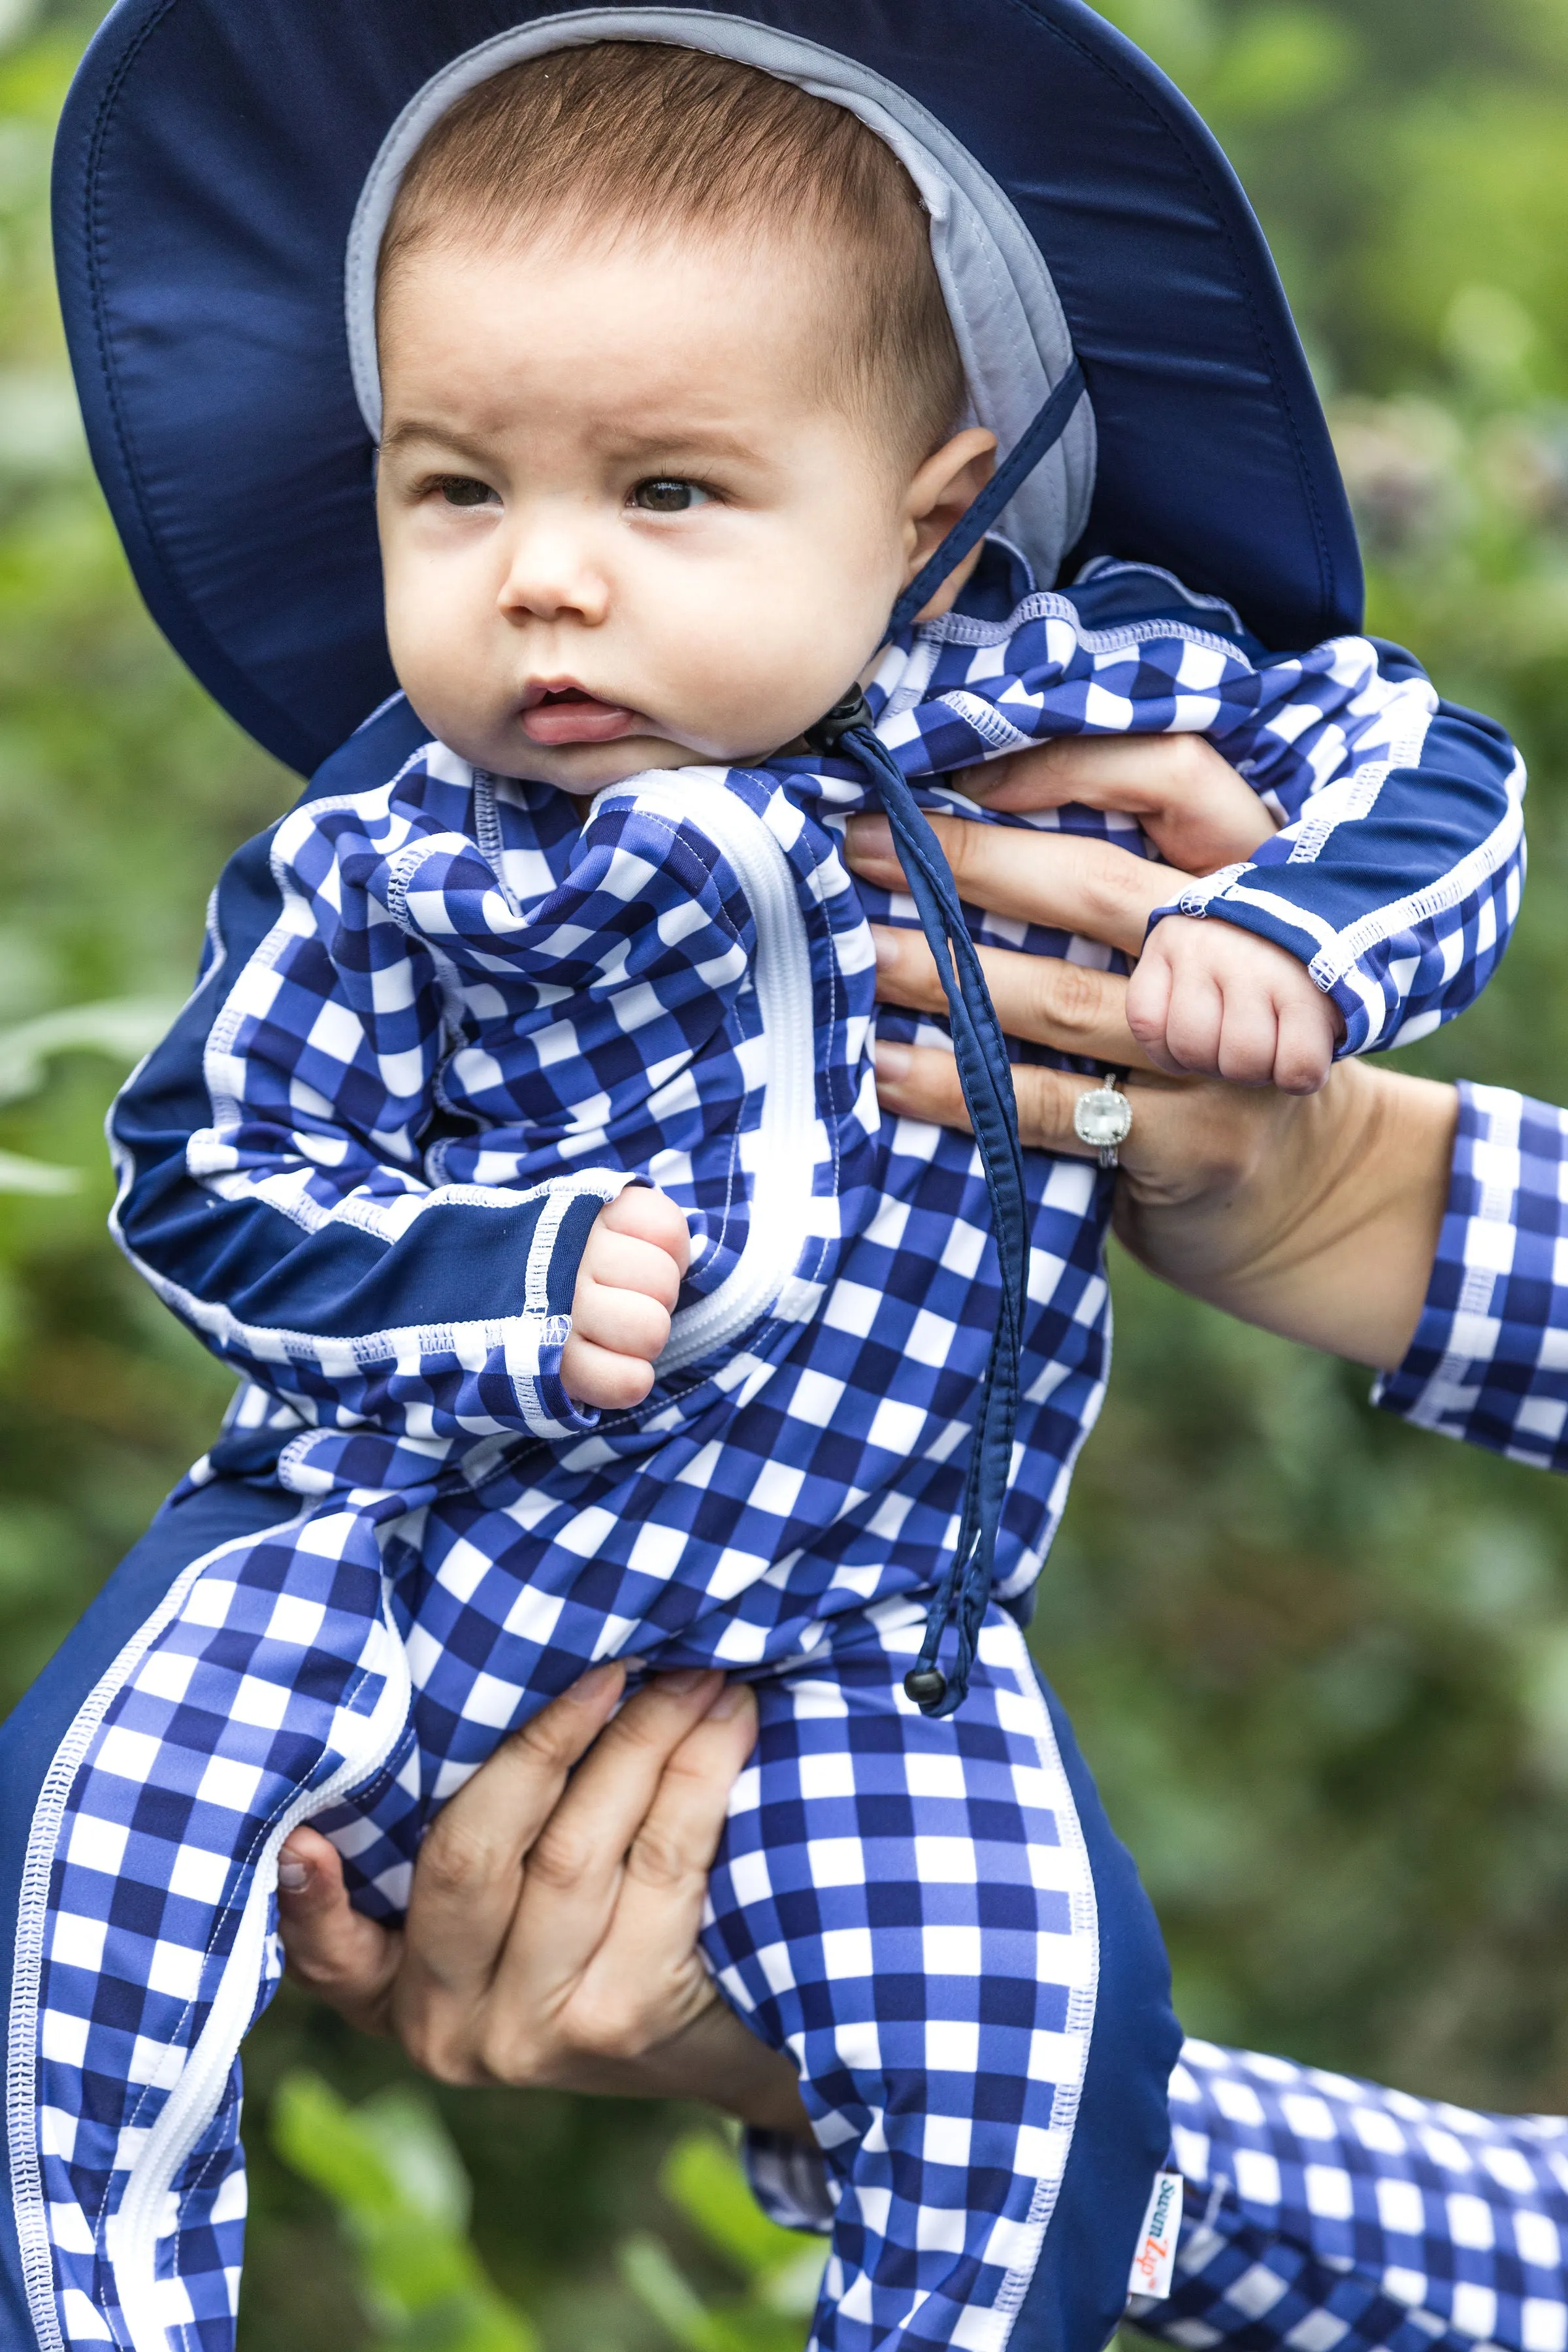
x: 210, y: 161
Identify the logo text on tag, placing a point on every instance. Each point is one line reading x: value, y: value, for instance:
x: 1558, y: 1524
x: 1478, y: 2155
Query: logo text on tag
x: 1154, y: 2260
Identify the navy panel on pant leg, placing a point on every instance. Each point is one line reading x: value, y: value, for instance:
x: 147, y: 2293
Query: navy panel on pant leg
x: 1079, y: 2292
x: 32, y: 1733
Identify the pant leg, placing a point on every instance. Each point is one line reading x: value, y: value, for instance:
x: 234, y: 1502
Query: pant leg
x: 1330, y: 2215
x: 237, y: 1673
x: 911, y: 1910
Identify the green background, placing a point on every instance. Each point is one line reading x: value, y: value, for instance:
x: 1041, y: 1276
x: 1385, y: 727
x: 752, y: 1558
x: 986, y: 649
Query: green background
x: 1319, y: 1662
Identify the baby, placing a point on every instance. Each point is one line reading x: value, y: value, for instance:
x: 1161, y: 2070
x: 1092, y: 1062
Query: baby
x: 520, y: 1147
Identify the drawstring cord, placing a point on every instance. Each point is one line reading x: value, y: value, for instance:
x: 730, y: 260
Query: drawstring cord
x: 986, y: 1076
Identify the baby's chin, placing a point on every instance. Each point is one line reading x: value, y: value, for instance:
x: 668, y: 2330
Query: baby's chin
x: 584, y: 769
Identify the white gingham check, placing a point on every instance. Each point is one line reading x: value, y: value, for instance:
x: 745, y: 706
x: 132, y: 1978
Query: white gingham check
x: 463, y: 1025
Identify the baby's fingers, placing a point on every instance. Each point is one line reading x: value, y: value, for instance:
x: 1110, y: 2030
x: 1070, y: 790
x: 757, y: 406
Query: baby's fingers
x: 617, y: 1262
x: 1151, y: 995
x: 646, y: 1215
x: 605, y: 1377
x: 1304, y: 1050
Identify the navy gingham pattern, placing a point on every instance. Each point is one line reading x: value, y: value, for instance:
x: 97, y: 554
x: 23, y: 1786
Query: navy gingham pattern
x: 1489, y: 1360
x: 463, y: 1025
x: 269, y: 1677
x: 906, y: 1907
x: 1398, y: 897
x: 1325, y: 2214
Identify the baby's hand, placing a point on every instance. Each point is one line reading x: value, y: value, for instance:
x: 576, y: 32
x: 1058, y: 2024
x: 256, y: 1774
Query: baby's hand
x: 1214, y: 1002
x: 1190, y: 802
x: 626, y: 1288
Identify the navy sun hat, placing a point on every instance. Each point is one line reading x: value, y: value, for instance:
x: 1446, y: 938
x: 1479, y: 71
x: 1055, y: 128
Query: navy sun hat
x: 225, y: 168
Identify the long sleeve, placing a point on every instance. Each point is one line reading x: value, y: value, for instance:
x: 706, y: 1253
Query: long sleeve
x: 282, y: 1152
x: 1489, y: 1364
x: 1396, y: 873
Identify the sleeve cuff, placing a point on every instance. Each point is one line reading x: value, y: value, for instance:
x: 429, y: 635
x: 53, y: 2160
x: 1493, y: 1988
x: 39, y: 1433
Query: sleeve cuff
x: 789, y: 2180
x: 1489, y: 1364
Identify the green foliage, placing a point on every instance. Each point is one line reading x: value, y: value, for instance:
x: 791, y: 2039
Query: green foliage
x: 782, y: 2269
x: 391, y: 2172
x: 1318, y: 1661
x: 397, y: 2184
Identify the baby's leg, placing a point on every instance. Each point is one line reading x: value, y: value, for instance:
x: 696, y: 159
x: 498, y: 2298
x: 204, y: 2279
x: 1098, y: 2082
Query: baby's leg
x: 935, y: 1921
x: 241, y: 1689
x: 1327, y: 2215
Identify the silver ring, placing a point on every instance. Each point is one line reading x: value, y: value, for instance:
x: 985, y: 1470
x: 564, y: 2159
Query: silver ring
x: 1102, y: 1118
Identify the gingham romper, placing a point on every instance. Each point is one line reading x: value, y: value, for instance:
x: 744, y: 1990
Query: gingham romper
x: 441, y: 1023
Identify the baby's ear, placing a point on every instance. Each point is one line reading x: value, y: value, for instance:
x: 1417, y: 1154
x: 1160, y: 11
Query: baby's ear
x: 940, y: 494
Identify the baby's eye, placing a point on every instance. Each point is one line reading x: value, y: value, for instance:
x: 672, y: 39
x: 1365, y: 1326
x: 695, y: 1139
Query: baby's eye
x: 664, y: 494
x: 464, y: 490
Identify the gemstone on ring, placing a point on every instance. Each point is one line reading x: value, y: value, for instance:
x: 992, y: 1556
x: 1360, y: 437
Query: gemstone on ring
x: 1102, y: 1118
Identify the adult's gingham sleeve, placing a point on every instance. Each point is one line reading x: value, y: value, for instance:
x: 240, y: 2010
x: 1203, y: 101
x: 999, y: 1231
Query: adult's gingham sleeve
x: 1489, y: 1364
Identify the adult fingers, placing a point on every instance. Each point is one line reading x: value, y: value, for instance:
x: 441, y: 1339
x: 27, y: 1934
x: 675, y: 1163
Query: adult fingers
x: 1175, y: 1120
x: 1130, y: 772
x: 1069, y: 1006
x: 646, y: 1981
x: 921, y: 1082
x: 1191, y: 801
x: 347, y: 1960
x: 1060, y: 881
x: 575, y: 1868
x: 468, y: 1875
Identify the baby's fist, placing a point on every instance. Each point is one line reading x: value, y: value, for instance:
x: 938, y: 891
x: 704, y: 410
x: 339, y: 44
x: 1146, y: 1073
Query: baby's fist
x: 626, y: 1288
x: 1207, y: 1000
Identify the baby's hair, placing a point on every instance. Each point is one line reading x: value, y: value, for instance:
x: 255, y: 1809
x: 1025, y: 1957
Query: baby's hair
x: 593, y: 142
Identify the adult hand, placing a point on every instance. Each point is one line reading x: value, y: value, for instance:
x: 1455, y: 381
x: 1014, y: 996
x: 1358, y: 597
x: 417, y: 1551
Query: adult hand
x: 1315, y: 1216
x: 551, y: 1929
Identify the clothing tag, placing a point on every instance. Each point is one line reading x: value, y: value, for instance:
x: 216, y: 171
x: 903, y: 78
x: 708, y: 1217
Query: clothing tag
x: 1156, y: 2255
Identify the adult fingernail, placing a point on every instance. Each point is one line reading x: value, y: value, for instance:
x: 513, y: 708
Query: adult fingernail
x: 593, y: 1684
x: 869, y: 837
x: 293, y: 1877
x: 892, y: 1062
x: 885, y: 947
x: 684, y: 1679
x: 730, y: 1701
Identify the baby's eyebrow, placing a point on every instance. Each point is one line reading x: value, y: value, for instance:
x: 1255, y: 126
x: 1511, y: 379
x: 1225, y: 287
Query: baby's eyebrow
x: 698, y: 444
x: 414, y: 429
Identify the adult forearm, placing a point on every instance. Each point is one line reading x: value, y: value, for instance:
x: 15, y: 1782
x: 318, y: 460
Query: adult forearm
x: 1317, y: 1219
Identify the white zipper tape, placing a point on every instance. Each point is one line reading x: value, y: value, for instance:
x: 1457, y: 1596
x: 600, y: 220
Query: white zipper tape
x: 779, y: 1227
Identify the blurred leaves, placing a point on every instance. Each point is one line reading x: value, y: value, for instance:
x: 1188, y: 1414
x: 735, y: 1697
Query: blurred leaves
x: 392, y: 2173
x: 782, y: 2269
x: 397, y: 2185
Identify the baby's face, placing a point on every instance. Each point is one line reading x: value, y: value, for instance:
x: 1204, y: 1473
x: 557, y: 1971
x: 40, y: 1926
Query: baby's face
x: 621, y: 525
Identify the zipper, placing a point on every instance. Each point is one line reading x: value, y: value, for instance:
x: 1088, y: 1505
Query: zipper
x: 777, y: 1229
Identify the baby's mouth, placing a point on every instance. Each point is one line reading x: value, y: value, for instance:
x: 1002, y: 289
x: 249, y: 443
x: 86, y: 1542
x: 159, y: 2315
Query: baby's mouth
x: 562, y: 711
